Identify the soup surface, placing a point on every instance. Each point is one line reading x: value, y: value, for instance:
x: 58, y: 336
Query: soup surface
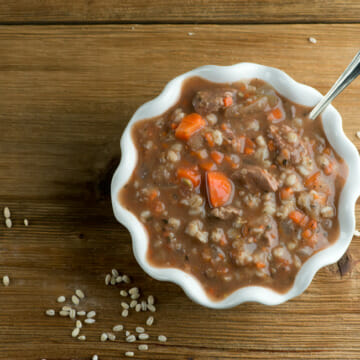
x: 235, y: 185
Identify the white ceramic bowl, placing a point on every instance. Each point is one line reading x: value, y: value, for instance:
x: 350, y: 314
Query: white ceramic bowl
x: 296, y: 92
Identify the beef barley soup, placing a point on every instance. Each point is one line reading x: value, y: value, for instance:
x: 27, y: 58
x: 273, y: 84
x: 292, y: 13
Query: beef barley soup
x: 235, y: 185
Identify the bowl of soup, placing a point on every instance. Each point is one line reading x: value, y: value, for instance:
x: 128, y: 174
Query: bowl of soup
x: 229, y: 190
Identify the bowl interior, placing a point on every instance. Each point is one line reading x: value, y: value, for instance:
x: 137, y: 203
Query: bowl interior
x: 294, y: 91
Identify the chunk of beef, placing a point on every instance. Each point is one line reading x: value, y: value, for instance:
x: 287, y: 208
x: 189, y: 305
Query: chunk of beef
x: 226, y: 212
x: 256, y: 178
x: 289, y: 146
x: 209, y: 101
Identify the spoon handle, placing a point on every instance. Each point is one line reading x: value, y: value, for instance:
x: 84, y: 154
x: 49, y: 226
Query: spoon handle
x: 350, y: 73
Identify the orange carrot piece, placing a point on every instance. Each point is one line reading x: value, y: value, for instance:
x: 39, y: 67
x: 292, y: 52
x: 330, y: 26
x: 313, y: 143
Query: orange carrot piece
x: 191, y: 173
x: 219, y: 188
x: 189, y: 125
x: 296, y: 216
x: 153, y: 194
x: 174, y: 126
x: 271, y: 145
x: 260, y: 265
x: 210, y: 140
x: 306, y: 234
x: 286, y: 193
x: 228, y: 101
x: 230, y: 161
x: 217, y: 156
x: 327, y: 151
x: 313, y: 180
x: 329, y: 169
x: 312, y: 225
x: 249, y: 146
x: 208, y: 165
x: 275, y: 114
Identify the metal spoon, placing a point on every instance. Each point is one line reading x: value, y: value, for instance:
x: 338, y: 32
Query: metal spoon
x: 350, y: 74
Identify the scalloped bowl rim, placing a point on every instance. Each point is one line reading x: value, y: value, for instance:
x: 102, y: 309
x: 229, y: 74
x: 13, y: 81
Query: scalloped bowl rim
x: 295, y: 91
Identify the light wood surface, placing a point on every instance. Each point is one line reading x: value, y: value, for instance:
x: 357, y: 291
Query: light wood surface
x: 179, y: 11
x: 66, y: 94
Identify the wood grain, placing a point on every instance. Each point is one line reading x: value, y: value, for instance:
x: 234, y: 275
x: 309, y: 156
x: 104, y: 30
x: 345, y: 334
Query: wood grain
x: 66, y: 95
x: 175, y: 11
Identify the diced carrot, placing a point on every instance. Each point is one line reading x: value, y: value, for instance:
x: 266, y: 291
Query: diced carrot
x: 190, y: 173
x: 260, y: 265
x: 223, y: 241
x: 189, y: 125
x: 296, y: 216
x: 313, y: 180
x: 217, y: 156
x: 286, y: 193
x: 271, y: 145
x: 200, y: 154
x: 327, y: 151
x: 208, y: 165
x: 306, y: 234
x: 275, y: 114
x: 154, y: 193
x: 249, y: 146
x: 209, y: 138
x: 174, y: 126
x: 224, y: 126
x: 312, y: 224
x: 228, y: 100
x: 219, y: 188
x: 328, y: 169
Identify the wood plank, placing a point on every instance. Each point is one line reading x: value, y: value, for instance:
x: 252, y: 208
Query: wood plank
x: 175, y: 11
x: 67, y: 93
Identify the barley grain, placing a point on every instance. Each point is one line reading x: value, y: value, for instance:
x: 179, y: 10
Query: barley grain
x: 125, y: 313
x: 111, y: 336
x: 133, y: 303
x: 75, y: 300
x: 138, y: 307
x: 131, y: 338
x: 8, y: 223
x: 72, y: 314
x: 91, y: 314
x: 312, y: 40
x: 129, y: 354
x: 123, y: 293
x: 125, y: 305
x: 95, y: 357
x: 26, y: 222
x: 143, y: 336
x: 6, y: 280
x: 103, y: 337
x: 135, y: 296
x: 162, y: 338
x: 149, y: 320
x: 80, y: 294
x: 78, y: 324
x: 7, y: 212
x: 133, y: 290
x: 140, y: 330
x: 143, y: 347
x: 152, y: 308
x: 118, y: 279
x: 89, y: 321
x: 50, y: 312
x: 63, y: 313
x: 143, y: 305
x: 82, y: 337
x: 107, y: 279
x: 150, y: 300
x: 61, y: 299
x: 66, y: 308
x: 115, y: 273
x: 127, y: 333
x: 126, y: 279
x: 75, y: 332
x: 118, y: 327
x: 81, y: 313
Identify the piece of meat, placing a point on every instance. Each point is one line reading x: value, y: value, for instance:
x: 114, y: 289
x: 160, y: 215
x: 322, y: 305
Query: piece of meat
x: 209, y: 101
x: 288, y: 152
x: 226, y: 212
x: 256, y: 178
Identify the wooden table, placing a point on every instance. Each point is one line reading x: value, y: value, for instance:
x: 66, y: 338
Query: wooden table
x: 71, y: 75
